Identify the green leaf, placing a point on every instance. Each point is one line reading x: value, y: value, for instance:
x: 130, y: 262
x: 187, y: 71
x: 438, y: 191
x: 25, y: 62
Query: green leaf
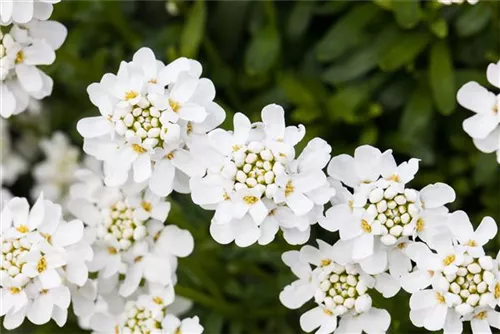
x: 417, y: 115
x: 442, y: 78
x: 404, y: 50
x: 439, y: 28
x: 408, y: 13
x: 347, y: 33
x: 194, y: 29
x: 299, y: 18
x: 263, y: 51
x: 363, y: 61
x: 473, y: 19
x: 296, y: 90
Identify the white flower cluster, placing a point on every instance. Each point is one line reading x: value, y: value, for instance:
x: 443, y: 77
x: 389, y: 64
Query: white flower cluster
x: 150, y: 115
x: 29, y: 40
x: 126, y: 229
x: 255, y: 183
x: 484, y: 126
x: 41, y: 255
x: 450, y: 2
x: 383, y: 227
x: 54, y: 175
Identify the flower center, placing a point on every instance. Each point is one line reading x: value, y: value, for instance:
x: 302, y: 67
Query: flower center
x: 19, y: 57
x: 139, y: 121
x: 13, y: 252
x: 393, y: 212
x: 41, y: 265
x: 255, y: 166
x: 119, y: 224
x: 472, y: 281
x: 141, y: 319
x: 339, y: 288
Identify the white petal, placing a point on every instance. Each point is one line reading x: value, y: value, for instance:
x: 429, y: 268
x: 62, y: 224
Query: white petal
x: 423, y: 299
x: 7, y: 103
x: 23, y: 11
x: 480, y: 326
x: 376, y: 263
x: 259, y: 212
x: 294, y: 236
x: 14, y: 320
x: 486, y: 230
x: 387, y: 285
x: 376, y: 321
x: 132, y: 279
x: 476, y: 98
x: 162, y: 178
x: 453, y: 324
x: 52, y: 32
x: 142, y: 168
x: 222, y: 233
x: 480, y: 126
x: 273, y: 117
x: 436, y: 195
x: 436, y: 321
x: 489, y: 144
x: 29, y: 77
x: 68, y: 234
x: 367, y: 162
x: 341, y: 167
x: 145, y: 58
x: 312, y: 319
x: 92, y: 127
x: 415, y: 281
x: 39, y: 53
x: 176, y: 241
x: 308, y: 181
x: 40, y: 311
x: 192, y: 112
x: 461, y: 226
x: 299, y: 203
x: 363, y: 246
x: 494, y: 319
x: 36, y: 214
x: 77, y: 273
x: 493, y: 74
x: 246, y: 232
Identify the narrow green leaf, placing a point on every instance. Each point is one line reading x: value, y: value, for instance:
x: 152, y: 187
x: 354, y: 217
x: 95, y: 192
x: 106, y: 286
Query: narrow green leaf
x: 347, y: 33
x: 263, y: 51
x: 417, y: 114
x: 439, y: 28
x: 442, y: 78
x: 404, y: 50
x: 299, y: 18
x: 297, y: 91
x: 193, y: 31
x: 473, y: 19
x: 363, y: 61
x: 408, y: 13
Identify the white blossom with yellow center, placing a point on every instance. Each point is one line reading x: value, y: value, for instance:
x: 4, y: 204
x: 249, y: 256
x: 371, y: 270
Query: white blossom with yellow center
x: 376, y: 212
x: 341, y: 291
x: 38, y: 261
x: 255, y: 183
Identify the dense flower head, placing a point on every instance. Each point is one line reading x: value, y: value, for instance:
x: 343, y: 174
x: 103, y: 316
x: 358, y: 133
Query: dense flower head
x: 341, y: 291
x: 41, y: 255
x: 23, y: 12
x: 22, y: 49
x: 380, y: 214
x: 255, y: 183
x: 127, y: 231
x: 150, y: 113
x: 54, y: 175
x: 455, y: 281
x: 484, y: 126
x: 154, y: 312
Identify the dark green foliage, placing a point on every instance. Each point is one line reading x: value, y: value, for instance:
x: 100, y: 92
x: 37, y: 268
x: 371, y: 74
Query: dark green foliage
x: 384, y: 73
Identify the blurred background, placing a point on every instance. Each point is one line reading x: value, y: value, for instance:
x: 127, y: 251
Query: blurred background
x: 383, y: 73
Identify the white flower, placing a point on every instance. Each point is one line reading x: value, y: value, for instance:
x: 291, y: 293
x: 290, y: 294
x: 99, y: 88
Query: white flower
x: 127, y: 229
x: 484, y: 126
x: 24, y: 11
x: 11, y: 164
x: 21, y: 51
x: 381, y: 214
x: 255, y: 184
x: 54, y: 175
x: 38, y: 261
x: 449, y: 2
x: 463, y: 281
x: 146, y: 314
x: 148, y: 112
x: 340, y: 291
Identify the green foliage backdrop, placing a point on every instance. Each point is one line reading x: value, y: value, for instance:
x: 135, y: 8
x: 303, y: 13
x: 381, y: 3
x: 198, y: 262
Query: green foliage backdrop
x: 383, y: 73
